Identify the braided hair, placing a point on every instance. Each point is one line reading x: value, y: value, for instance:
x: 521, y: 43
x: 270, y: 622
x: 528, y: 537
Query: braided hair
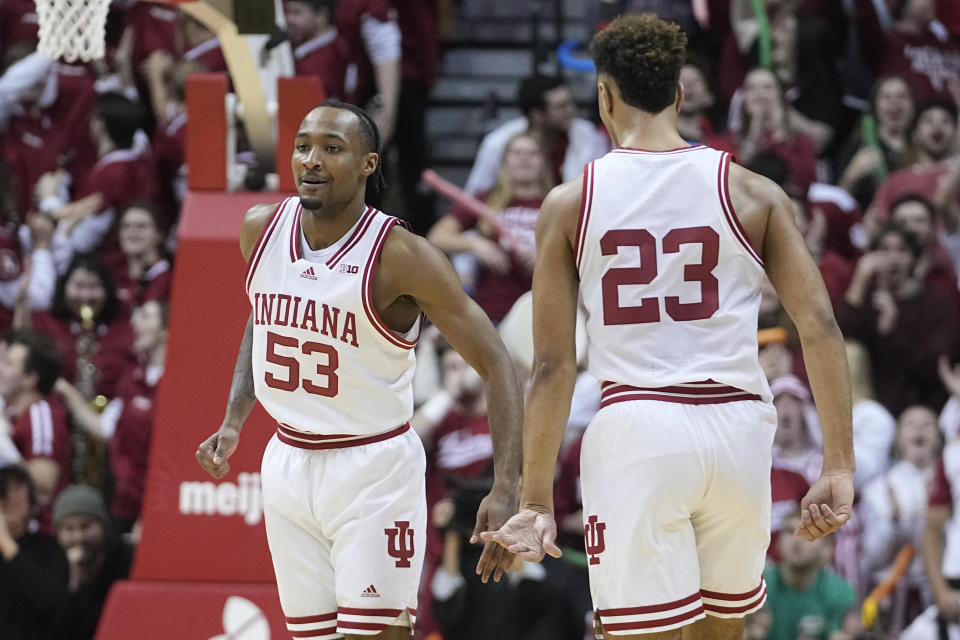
x: 370, y: 133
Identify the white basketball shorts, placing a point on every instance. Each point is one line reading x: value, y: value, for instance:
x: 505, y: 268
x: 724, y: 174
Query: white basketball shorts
x: 676, y: 508
x: 347, y: 531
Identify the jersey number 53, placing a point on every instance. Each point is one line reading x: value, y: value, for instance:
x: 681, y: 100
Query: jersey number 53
x: 277, y: 345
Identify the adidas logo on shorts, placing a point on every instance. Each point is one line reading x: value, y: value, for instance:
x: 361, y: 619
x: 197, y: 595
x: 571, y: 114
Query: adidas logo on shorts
x: 309, y: 273
x: 370, y: 592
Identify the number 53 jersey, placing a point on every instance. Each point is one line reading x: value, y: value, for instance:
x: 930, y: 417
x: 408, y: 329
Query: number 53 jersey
x: 669, y: 279
x: 324, y: 362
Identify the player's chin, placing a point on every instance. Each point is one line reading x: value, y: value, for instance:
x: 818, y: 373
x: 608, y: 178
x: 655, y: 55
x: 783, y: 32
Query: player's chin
x: 310, y: 202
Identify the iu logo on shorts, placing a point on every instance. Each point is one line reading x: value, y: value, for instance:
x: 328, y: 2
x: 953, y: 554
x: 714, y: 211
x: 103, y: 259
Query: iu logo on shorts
x: 593, y: 537
x: 400, y: 542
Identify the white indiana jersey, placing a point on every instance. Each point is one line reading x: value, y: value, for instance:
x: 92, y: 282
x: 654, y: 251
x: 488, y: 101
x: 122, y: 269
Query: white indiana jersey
x: 324, y: 362
x: 669, y: 280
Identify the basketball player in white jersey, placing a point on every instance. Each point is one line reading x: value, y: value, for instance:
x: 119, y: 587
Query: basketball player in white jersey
x: 667, y: 246
x: 338, y: 291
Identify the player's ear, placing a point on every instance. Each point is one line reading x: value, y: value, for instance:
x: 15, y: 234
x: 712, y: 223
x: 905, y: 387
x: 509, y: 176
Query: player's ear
x: 370, y: 163
x: 605, y: 98
x: 681, y: 95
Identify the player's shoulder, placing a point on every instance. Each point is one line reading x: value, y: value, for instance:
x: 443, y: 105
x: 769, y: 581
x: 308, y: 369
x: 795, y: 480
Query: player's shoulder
x: 403, y: 248
x: 254, y: 220
x: 561, y: 208
x: 751, y: 187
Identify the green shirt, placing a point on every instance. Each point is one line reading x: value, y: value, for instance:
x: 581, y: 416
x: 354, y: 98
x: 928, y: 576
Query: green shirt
x: 817, y: 612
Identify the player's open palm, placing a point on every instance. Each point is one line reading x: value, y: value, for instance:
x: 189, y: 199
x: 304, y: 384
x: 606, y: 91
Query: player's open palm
x: 530, y: 534
x: 827, y: 505
x: 214, y: 451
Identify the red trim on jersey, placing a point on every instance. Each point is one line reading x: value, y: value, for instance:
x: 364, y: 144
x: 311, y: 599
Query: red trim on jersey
x: 750, y: 607
x: 586, y: 203
x: 652, y: 624
x: 380, y: 613
x: 716, y: 595
x: 653, y: 608
x: 311, y: 619
x: 365, y: 219
x: 295, y: 251
x: 691, y: 147
x: 723, y: 186
x: 261, y: 243
x: 315, y: 633
x: 364, y: 626
x: 367, y: 292
x: 706, y: 392
x: 302, y: 440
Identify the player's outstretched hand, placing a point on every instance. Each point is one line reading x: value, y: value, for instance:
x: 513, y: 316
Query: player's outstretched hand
x: 214, y: 451
x: 530, y: 534
x: 494, y: 510
x: 827, y: 505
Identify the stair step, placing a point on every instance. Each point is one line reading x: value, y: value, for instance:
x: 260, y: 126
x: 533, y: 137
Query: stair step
x: 494, y: 9
x: 511, y: 63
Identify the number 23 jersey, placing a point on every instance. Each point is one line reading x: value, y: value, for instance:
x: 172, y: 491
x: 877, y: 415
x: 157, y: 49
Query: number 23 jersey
x: 668, y: 277
x: 324, y: 362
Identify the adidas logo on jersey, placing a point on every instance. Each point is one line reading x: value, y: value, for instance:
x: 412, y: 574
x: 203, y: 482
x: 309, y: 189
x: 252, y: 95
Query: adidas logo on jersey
x: 309, y: 273
x: 370, y: 592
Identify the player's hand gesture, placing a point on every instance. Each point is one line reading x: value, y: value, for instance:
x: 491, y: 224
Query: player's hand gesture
x: 494, y: 510
x: 827, y: 505
x: 530, y: 534
x: 214, y: 451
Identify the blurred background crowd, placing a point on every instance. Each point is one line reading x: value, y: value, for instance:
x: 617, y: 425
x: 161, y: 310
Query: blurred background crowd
x: 850, y: 105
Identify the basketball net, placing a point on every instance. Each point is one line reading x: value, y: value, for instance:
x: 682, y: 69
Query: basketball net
x: 72, y: 29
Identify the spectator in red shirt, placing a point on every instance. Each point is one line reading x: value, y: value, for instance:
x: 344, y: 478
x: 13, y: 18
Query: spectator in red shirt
x: 29, y: 367
x: 505, y: 270
x: 915, y: 46
x: 144, y: 273
x: 904, y: 323
x: 766, y: 123
x: 373, y: 38
x: 127, y: 421
x: 87, y: 322
x: 319, y: 50
x: 861, y: 166
x: 45, y: 110
x: 125, y: 172
x: 914, y: 213
x: 932, y: 136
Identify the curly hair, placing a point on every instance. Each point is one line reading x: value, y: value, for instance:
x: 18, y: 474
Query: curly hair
x: 643, y: 54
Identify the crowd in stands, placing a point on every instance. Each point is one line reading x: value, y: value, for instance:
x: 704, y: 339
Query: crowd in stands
x: 850, y: 106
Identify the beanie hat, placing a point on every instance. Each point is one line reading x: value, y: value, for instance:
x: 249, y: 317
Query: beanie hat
x: 78, y: 499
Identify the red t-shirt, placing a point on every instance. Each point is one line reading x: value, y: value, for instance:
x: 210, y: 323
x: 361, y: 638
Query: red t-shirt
x: 154, y: 284
x: 18, y: 23
x: 493, y: 292
x: 348, y: 19
x: 170, y: 153
x: 325, y: 57
x: 418, y: 44
x: 41, y: 432
x: 787, y: 489
x: 130, y: 444
x: 902, y: 182
x: 113, y: 356
x: 36, y: 140
x: 121, y: 177
x: 924, y: 60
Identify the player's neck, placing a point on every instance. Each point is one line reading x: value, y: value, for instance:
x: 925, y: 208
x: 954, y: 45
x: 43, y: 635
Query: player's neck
x: 323, y: 227
x: 639, y: 130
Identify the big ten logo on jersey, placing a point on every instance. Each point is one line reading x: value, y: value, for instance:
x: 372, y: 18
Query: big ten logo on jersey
x: 593, y: 539
x: 646, y: 245
x: 400, y: 542
x: 349, y: 268
x: 224, y: 499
